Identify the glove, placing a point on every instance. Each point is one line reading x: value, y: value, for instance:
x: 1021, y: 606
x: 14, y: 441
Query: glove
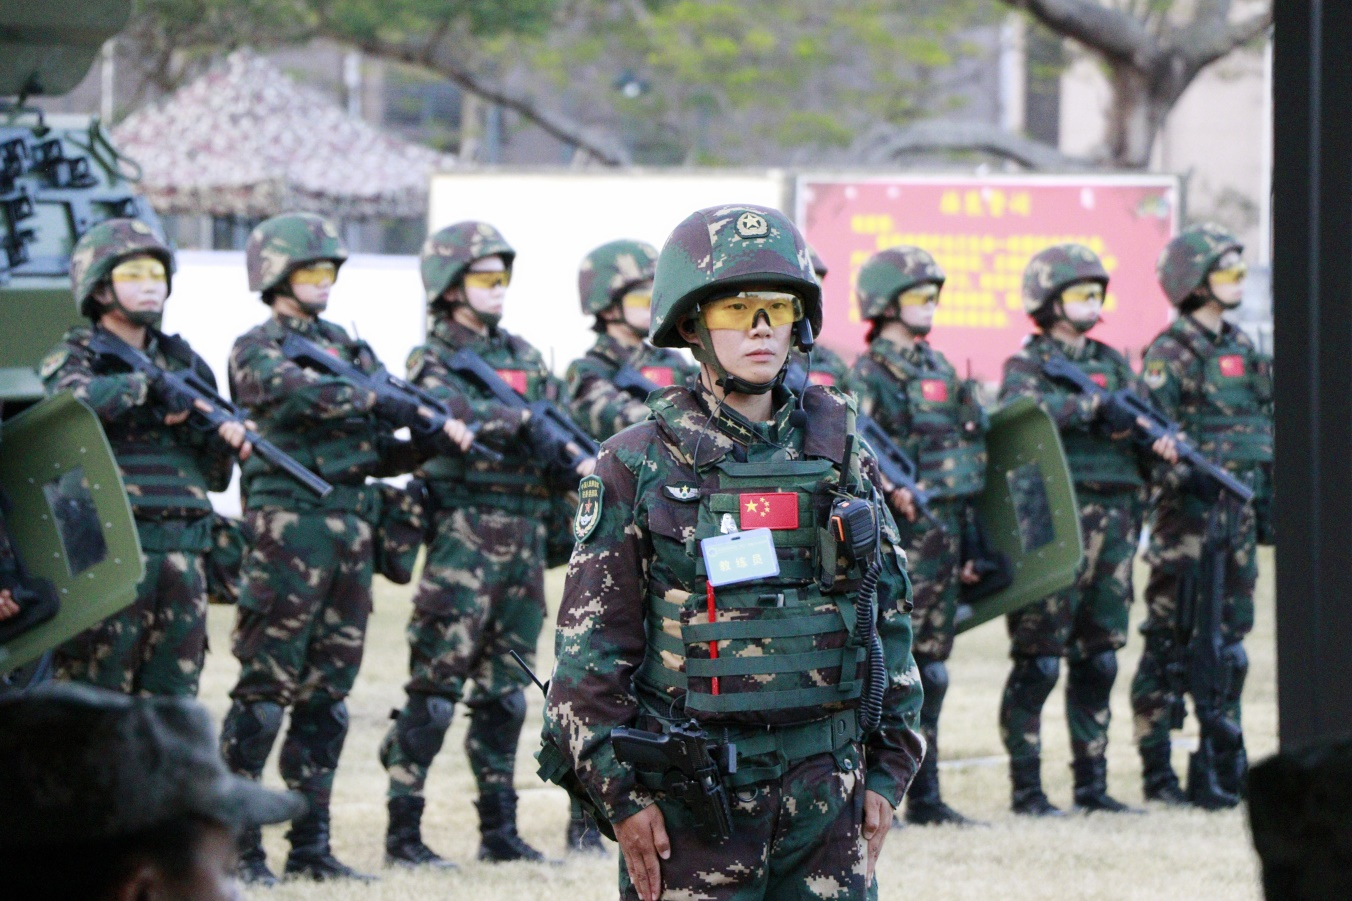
x: 397, y: 410
x: 1115, y: 416
x: 166, y: 397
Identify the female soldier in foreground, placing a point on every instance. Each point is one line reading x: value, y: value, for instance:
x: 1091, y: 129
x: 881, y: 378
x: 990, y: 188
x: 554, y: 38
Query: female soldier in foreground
x: 675, y: 615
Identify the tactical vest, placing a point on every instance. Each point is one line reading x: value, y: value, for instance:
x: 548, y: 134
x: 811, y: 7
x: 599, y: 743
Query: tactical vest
x: 163, y: 475
x: 344, y: 452
x: 786, y: 651
x: 1094, y: 458
x: 1229, y: 420
x: 517, y: 483
x: 950, y: 461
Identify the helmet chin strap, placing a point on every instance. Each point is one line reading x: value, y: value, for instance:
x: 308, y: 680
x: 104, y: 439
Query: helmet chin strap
x: 731, y: 384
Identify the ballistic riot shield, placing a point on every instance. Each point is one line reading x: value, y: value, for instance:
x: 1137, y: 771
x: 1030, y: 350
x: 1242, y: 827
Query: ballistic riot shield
x: 1028, y: 509
x: 68, y: 522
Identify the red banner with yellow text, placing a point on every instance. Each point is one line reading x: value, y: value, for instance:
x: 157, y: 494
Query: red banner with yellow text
x: 982, y: 232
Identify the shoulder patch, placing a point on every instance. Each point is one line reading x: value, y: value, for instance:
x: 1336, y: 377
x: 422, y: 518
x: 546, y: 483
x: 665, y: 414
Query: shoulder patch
x: 590, y: 493
x: 54, y: 361
x: 416, y: 359
x: 1155, y: 374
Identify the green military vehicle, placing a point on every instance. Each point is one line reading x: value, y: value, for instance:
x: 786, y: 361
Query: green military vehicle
x: 69, y: 554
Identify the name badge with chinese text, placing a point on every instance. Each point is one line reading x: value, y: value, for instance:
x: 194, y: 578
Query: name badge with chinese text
x: 740, y: 557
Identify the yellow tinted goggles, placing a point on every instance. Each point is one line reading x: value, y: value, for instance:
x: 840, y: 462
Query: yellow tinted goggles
x: 741, y: 311
x: 488, y: 279
x: 1083, y: 293
x: 323, y: 272
x: 919, y: 296
x: 142, y: 269
x: 1231, y: 275
x: 638, y: 300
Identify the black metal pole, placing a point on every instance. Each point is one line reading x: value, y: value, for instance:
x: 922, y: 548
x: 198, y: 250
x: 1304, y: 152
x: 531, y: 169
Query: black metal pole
x: 1312, y: 303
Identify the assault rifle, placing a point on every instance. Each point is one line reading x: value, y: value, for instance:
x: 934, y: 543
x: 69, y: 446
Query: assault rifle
x: 182, y: 389
x: 897, y: 468
x: 397, y: 402
x: 554, y: 436
x: 1148, y: 423
x: 627, y: 378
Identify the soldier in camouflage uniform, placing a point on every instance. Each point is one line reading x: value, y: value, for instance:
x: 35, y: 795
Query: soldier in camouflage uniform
x: 1063, y: 291
x: 615, y: 285
x: 1205, y: 374
x: 771, y: 665
x: 306, y: 583
x: 825, y: 367
x: 482, y: 589
x: 913, y: 392
x: 120, y: 273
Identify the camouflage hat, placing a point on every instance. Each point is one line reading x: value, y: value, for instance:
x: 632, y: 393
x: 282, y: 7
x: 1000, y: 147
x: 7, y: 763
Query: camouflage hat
x: 107, y: 244
x: 889, y: 272
x: 610, y: 269
x: 1185, y: 261
x: 448, y: 253
x: 819, y: 267
x: 1056, y: 267
x: 725, y: 249
x: 284, y: 243
x: 79, y: 763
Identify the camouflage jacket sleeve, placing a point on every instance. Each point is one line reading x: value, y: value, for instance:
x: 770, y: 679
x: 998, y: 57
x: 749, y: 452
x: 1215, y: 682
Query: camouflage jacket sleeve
x: 1170, y: 371
x: 1023, y: 377
x: 69, y: 367
x: 599, y: 643
x: 267, y: 383
x: 894, y: 752
x: 596, y: 404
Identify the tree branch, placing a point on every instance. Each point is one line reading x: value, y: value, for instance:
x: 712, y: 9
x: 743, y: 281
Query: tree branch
x: 1120, y: 37
x: 886, y: 143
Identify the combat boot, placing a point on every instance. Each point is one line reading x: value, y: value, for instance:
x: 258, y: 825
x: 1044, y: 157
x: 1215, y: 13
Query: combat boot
x: 403, y: 841
x: 583, y: 836
x: 311, y: 856
x: 252, y: 868
x: 498, y: 839
x: 1232, y: 772
x: 1091, y: 788
x: 1028, y: 798
x: 1204, y: 789
x: 1157, y: 773
x: 924, y: 805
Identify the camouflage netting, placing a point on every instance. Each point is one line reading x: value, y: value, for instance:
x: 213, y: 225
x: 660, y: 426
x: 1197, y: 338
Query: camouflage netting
x: 244, y: 140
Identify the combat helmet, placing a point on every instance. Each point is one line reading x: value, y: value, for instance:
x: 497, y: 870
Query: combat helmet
x: 890, y: 272
x: 107, y: 244
x: 449, y: 252
x: 1055, y: 268
x: 1185, y: 261
x: 819, y: 267
x: 611, y: 269
x: 282, y: 244
x: 722, y: 250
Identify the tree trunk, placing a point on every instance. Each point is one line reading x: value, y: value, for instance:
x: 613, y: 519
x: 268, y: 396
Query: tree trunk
x: 1132, y: 122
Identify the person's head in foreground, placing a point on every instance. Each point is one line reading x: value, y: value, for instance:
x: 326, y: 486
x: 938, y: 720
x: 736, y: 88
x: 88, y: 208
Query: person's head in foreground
x: 110, y: 798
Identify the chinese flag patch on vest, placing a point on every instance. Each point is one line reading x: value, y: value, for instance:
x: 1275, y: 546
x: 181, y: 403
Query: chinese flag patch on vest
x: 514, y: 377
x: 659, y: 375
x: 934, y: 390
x: 769, y: 511
x: 1232, y: 366
x: 1099, y: 378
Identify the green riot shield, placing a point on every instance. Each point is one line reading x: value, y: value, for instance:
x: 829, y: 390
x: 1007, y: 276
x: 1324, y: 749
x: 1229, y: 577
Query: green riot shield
x: 68, y: 520
x: 1028, y: 509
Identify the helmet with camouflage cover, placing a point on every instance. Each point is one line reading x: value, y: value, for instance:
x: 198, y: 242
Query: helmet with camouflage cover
x: 1054, y: 269
x: 888, y: 273
x: 107, y: 244
x: 611, y: 269
x: 725, y: 249
x: 1185, y: 261
x: 448, y: 253
x: 282, y: 244
x: 819, y: 267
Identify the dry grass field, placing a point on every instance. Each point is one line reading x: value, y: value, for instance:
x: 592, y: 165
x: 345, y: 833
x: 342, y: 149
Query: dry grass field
x: 1166, y: 854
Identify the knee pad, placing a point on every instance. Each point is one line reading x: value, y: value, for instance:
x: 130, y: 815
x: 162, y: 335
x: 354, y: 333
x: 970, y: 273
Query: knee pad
x: 249, y: 733
x: 934, y: 680
x: 320, y: 727
x: 497, y: 723
x: 1092, y: 679
x: 1236, y: 660
x: 1034, y: 678
x: 421, y: 726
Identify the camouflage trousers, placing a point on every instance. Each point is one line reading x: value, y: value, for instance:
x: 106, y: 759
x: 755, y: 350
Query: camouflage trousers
x: 481, y: 596
x: 155, y: 646
x: 798, y: 837
x: 934, y: 555
x: 1177, y: 530
x: 1086, y: 623
x: 305, y: 597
